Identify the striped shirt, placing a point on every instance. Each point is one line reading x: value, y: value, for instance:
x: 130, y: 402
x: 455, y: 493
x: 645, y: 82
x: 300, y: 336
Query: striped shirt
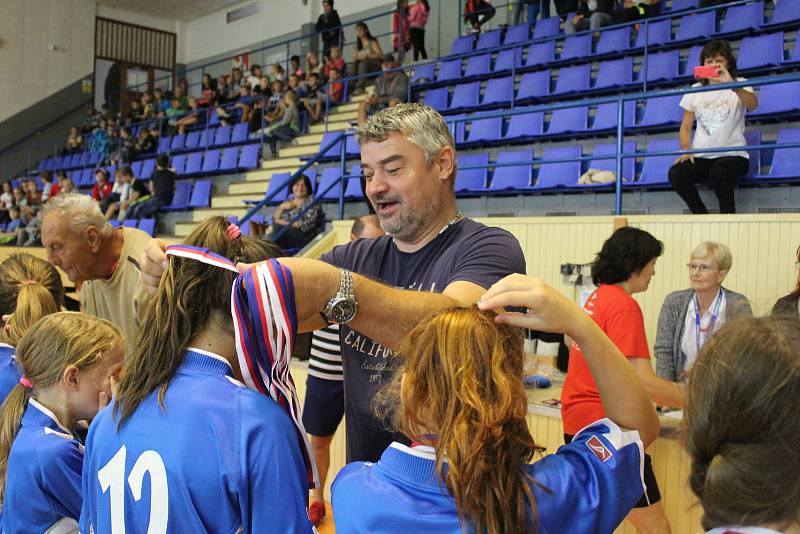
x: 325, y: 359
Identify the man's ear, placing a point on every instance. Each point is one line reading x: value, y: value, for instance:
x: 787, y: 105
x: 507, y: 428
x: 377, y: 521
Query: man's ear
x: 446, y: 163
x: 92, y: 236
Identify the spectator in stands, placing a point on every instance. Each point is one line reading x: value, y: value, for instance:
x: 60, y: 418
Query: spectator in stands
x: 29, y: 235
x: 391, y: 88
x: 173, y: 114
x: 120, y: 193
x: 417, y: 19
x: 6, y: 201
x: 33, y: 195
x: 740, y: 429
x: 288, y: 126
x: 631, y: 10
x: 21, y: 202
x: 334, y: 61
x: 241, y: 110
x: 208, y: 91
x: 313, y: 64
x: 400, y: 28
x: 236, y: 80
x: 532, y: 8
x: 104, y: 261
x: 276, y: 72
x: 126, y: 146
x: 261, y: 94
x: 181, y: 95
x: 223, y: 89
x: 296, y: 234
x: 74, y: 141
x: 58, y: 184
x: 334, y: 91
x: 99, y: 140
x: 790, y: 304
x: 478, y: 13
x: 314, y: 98
x: 149, y: 109
x: 145, y: 143
x: 160, y: 101
x: 134, y: 112
x: 102, y: 185
x: 194, y: 117
x: 295, y: 68
x: 720, y: 123
x: 293, y: 84
x: 67, y: 186
x: 366, y: 57
x: 138, y: 194
x: 689, y: 317
x: 624, y: 266
x: 254, y: 77
x: 12, y: 226
x: 329, y: 26
x: 594, y: 17
x: 162, y: 190
x: 262, y: 89
x: 47, y: 187
x: 91, y: 121
x: 323, y: 408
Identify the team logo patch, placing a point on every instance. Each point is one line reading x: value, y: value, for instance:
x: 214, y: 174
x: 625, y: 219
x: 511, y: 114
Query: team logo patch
x: 599, y: 450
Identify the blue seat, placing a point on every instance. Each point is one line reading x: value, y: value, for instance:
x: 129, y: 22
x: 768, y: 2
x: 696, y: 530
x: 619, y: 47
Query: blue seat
x: 229, y: 159
x: 614, y: 73
x: 517, y: 34
x: 214, y: 119
x: 42, y: 165
x: 353, y: 191
x: 577, y: 47
x: 194, y: 164
x: 605, y: 117
x: 164, y: 144
x: 207, y: 137
x: 534, y: 85
x: 525, y: 126
x: 449, y: 70
x: 662, y: 66
x: 784, y: 160
x: 87, y: 177
x: 249, y: 157
x: 436, y: 98
x: 180, y: 200
x: 490, y: 39
x: 465, y: 96
x: 177, y: 142
x: 278, y: 187
x: 457, y: 128
x: 329, y: 184
x: 240, y: 133
x: 462, y: 45
x: 683, y: 5
x: 602, y: 164
x: 512, y: 178
x: 795, y: 57
x: 662, y: 111
x: 559, y: 174
x: 424, y: 73
x: 505, y: 59
x: 192, y: 140
x: 148, y: 167
x: 485, y: 130
x: 94, y: 158
x: 148, y: 226
x: 201, y: 194
x: 478, y: 65
x: 136, y: 168
x: 335, y: 151
x: 568, y: 120
x: 471, y: 180
x: 498, y: 91
x: 786, y: 13
x: 114, y: 223
x: 547, y: 27
x: 130, y: 223
x: 658, y: 33
x: 699, y: 26
x: 223, y: 136
x: 613, y: 41
x: 748, y: 17
x: 573, y: 79
x: 541, y: 54
x: 352, y: 149
x: 84, y: 161
x: 778, y: 99
x: 655, y: 169
x: 692, y: 60
x: 210, y: 162
x: 753, y: 137
x: 179, y: 164
x: 761, y: 51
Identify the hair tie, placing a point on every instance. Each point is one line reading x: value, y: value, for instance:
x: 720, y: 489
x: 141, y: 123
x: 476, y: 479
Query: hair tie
x: 29, y: 282
x: 233, y: 231
x: 26, y: 382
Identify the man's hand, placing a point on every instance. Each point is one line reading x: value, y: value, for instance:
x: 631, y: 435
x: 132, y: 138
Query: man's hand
x: 685, y: 157
x: 153, y: 263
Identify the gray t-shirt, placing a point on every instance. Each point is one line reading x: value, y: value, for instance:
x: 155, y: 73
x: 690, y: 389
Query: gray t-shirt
x: 468, y: 251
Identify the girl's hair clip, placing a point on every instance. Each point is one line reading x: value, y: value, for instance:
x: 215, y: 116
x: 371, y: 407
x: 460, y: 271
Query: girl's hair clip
x: 233, y: 231
x: 26, y: 382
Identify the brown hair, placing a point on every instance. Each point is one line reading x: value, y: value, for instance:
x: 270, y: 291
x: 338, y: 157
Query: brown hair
x: 188, y: 295
x: 461, y: 376
x: 719, y: 47
x: 50, y: 346
x: 740, y: 426
x: 30, y: 288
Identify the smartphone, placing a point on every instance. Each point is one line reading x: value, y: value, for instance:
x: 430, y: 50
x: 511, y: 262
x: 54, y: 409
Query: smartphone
x: 702, y: 72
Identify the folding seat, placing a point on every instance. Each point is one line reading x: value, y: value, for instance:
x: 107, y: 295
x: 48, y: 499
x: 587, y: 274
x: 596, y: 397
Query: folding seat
x: 699, y: 26
x: 525, y: 126
x: 547, y: 27
x: 249, y: 157
x: 786, y: 13
x: 207, y: 137
x: 761, y: 51
x: 602, y: 164
x: 192, y: 140
x: 498, y: 91
x: 471, y: 180
x: 796, y: 53
x: 662, y: 66
x: 573, y: 79
x: 229, y: 159
x: 278, y: 188
x: 223, y: 136
x: 490, y: 39
x: 115, y: 223
x: 568, y: 120
x: 505, y: 59
x: 177, y: 142
x: 164, y: 144
x: 214, y: 119
x: 94, y: 158
x: 613, y: 41
x: 130, y: 223
x: 71, y: 161
x: 178, y: 164
x: 614, y: 73
x: 465, y: 96
x: 87, y: 178
x: 683, y: 5
x: 658, y: 33
x: 753, y: 137
x: 436, y: 98
x: 534, y: 85
x: 449, y: 70
x: 577, y: 47
x: 605, y: 117
x: 662, y: 111
x: 541, y: 54
x: 84, y: 161
x: 353, y: 191
x: 352, y: 149
x: 329, y: 184
x: 779, y: 98
x: 42, y: 165
x: 747, y: 17
x: 462, y: 45
x: 334, y: 151
x: 148, y: 226
x: 136, y: 168
x: 194, y: 164
x: 478, y: 65
x: 240, y: 133
x: 692, y: 60
x: 655, y: 169
x: 423, y: 73
x: 784, y: 160
x: 485, y: 130
x: 457, y: 127
x: 517, y: 34
x: 557, y: 175
x: 148, y: 167
x: 512, y: 178
x: 180, y: 200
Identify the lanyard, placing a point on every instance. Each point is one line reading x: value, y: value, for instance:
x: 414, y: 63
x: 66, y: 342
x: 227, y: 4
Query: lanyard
x: 711, y: 323
x: 265, y: 327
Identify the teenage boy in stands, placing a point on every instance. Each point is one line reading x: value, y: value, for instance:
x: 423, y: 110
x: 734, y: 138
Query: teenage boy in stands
x: 162, y: 190
x: 391, y: 88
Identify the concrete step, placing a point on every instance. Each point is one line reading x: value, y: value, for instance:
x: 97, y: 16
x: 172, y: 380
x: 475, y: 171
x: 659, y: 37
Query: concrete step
x: 309, y: 139
x: 233, y: 201
x: 351, y: 107
x: 280, y: 162
x: 332, y: 126
x: 266, y: 174
x: 203, y: 214
x: 184, y: 229
x: 252, y: 189
x: 294, y: 151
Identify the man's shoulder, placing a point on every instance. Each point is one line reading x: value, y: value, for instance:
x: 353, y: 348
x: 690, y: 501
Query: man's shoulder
x: 472, y: 230
x: 352, y: 253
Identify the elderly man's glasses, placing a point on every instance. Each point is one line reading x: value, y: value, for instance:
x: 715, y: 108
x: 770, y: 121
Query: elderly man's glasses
x: 702, y: 267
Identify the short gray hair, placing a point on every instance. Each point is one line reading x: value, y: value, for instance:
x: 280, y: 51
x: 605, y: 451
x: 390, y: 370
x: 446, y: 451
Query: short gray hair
x: 420, y: 124
x: 81, y: 212
x: 718, y: 252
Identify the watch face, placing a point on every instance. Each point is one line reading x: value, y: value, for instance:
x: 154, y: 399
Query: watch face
x: 343, y: 311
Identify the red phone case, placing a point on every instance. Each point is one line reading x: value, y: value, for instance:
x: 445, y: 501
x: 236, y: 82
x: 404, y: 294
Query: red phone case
x: 703, y: 71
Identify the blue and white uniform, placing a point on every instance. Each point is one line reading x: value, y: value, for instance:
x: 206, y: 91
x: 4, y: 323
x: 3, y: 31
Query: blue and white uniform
x: 593, y: 483
x: 43, y: 485
x: 216, y: 458
x: 9, y: 371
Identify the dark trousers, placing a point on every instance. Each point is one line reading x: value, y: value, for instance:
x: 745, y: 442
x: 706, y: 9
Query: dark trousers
x: 146, y: 209
x: 284, y: 133
x: 483, y: 12
x: 291, y: 238
x: 720, y: 173
x: 418, y: 42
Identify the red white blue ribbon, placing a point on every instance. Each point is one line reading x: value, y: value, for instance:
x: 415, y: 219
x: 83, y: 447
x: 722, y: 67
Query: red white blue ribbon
x: 265, y: 326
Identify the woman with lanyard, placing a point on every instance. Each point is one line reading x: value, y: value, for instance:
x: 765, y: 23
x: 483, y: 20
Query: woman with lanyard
x: 688, y: 317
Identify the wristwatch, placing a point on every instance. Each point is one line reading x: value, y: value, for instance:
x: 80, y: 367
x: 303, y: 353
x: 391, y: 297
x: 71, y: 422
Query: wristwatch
x: 343, y: 306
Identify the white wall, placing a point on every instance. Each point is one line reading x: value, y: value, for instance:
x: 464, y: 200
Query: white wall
x: 29, y: 69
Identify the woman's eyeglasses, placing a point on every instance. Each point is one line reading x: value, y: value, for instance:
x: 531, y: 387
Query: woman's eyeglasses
x: 702, y: 267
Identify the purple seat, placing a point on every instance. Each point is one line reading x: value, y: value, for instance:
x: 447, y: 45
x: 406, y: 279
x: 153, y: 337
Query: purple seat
x: 465, y: 96
x: 136, y: 167
x: 240, y: 133
x: 207, y: 137
x: 699, y: 26
x: 778, y: 99
x: 248, y: 159
x: 498, y: 91
x: 353, y: 191
x: 753, y: 137
x: 177, y: 142
x: 613, y: 41
x: 192, y: 140
x: 512, y: 178
x: 478, y: 65
x: 424, y: 73
x: 335, y: 151
x: 180, y: 200
x: 525, y: 126
x: 517, y: 34
x: 148, y: 167
x: 130, y: 223
x: 787, y: 12
x: 457, y: 128
x: 683, y: 5
x: 210, y: 162
x: 658, y: 33
x: 214, y: 119
x: 148, y: 226
x: 784, y: 160
x: 164, y: 144
x: 569, y: 120
x: 436, y: 98
x: 352, y: 149
x: 573, y: 79
x: 559, y: 174
x: 747, y: 17
x: 42, y: 165
x: 229, y: 159
x: 662, y: 111
x: 490, y: 39
x: 223, y: 136
x: 610, y: 149
x: 614, y: 73
x: 194, y: 164
x: 534, y: 85
x: 796, y: 54
x: 605, y: 118
x: 692, y: 60
x: 84, y: 161
x: 94, y: 158
x: 485, y: 130
x: 577, y: 47
x: 505, y: 59
x: 449, y: 70
x: 471, y: 180
x: 761, y: 51
x: 87, y: 177
x: 541, y: 54
x: 662, y: 66
x: 462, y: 45
x: 547, y: 27
x: 655, y: 169
x: 179, y: 164
x: 278, y: 187
x: 329, y: 184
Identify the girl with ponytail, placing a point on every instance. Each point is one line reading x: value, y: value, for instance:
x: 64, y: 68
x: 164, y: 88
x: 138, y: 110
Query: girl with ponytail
x: 220, y: 457
x: 459, y: 396
x: 741, y: 428
x: 30, y: 288
x: 69, y: 361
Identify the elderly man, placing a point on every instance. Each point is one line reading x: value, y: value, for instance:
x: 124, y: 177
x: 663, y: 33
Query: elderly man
x: 378, y: 289
x: 104, y: 261
x: 391, y: 88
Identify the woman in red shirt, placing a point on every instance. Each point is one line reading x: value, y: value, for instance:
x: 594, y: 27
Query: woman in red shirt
x: 102, y: 187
